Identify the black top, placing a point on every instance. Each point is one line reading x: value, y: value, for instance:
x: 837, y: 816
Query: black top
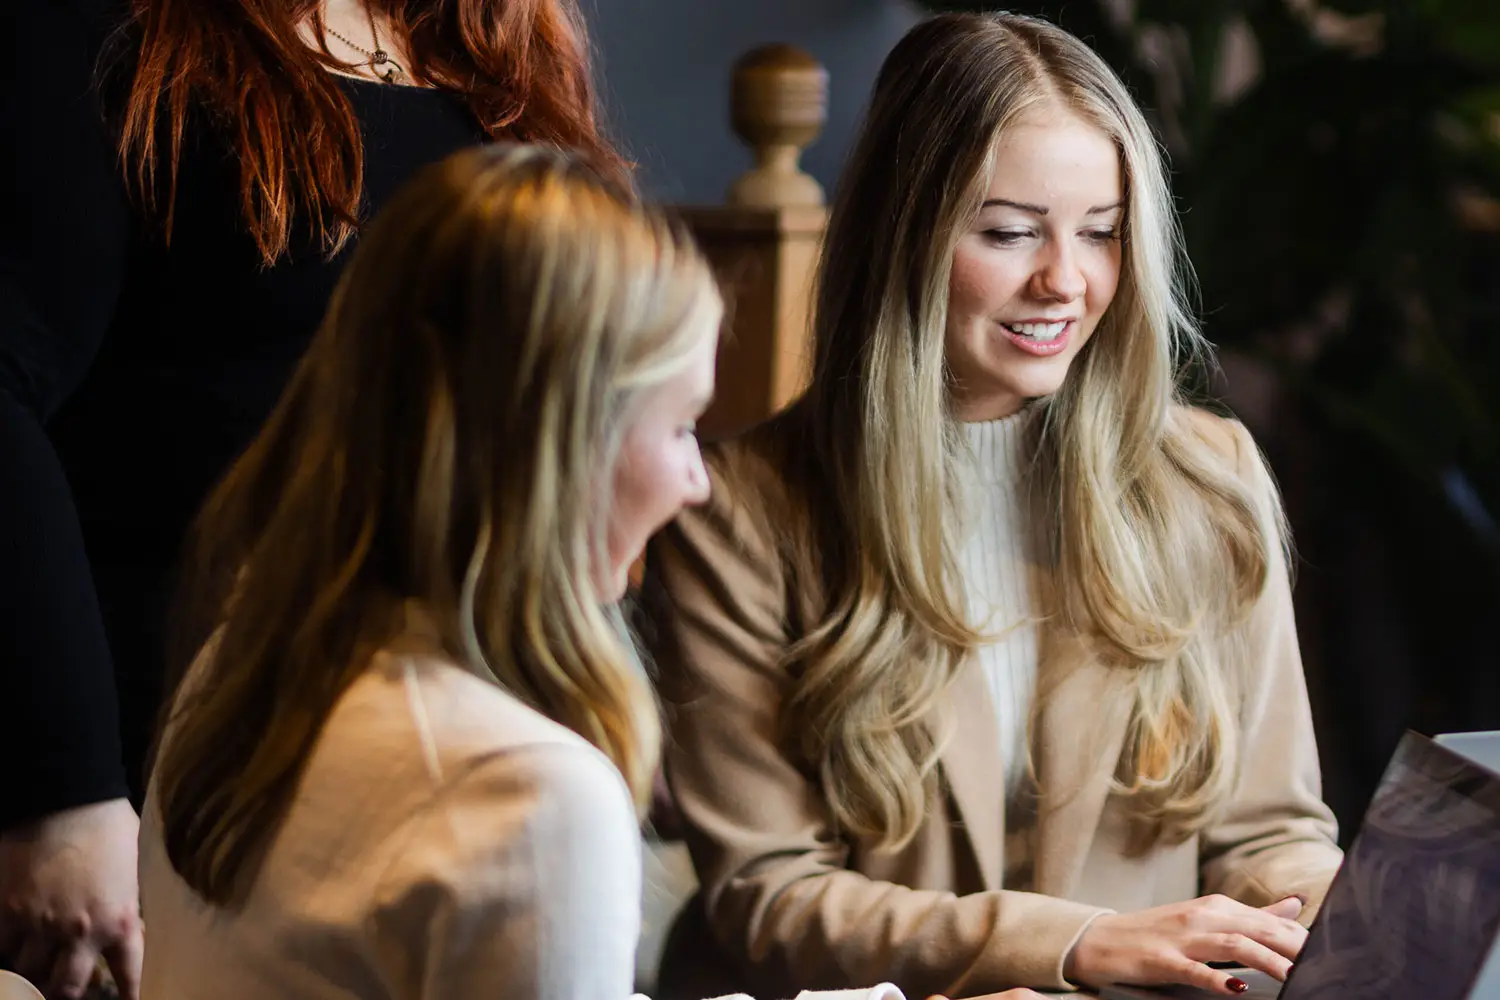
x: 131, y: 375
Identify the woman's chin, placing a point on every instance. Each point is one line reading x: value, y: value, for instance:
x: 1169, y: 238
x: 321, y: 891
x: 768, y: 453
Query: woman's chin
x: 1027, y: 389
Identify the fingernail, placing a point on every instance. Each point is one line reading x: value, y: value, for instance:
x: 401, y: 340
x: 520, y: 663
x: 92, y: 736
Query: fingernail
x: 1236, y: 984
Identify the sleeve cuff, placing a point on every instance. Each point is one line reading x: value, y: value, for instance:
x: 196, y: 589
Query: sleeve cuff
x: 1063, y: 964
x: 1040, y: 944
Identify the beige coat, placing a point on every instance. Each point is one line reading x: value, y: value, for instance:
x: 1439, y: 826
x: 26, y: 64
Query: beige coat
x: 789, y: 901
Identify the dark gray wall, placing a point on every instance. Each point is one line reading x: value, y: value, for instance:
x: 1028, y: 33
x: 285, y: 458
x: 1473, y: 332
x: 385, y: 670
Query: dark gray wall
x: 664, y: 67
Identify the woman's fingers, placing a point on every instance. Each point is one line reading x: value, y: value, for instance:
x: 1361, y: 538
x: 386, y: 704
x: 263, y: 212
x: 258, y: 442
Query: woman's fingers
x: 1283, y: 936
x: 1289, y: 908
x: 1271, y: 926
x: 1190, y: 973
x: 1241, y: 950
x: 124, y: 956
x: 72, y: 970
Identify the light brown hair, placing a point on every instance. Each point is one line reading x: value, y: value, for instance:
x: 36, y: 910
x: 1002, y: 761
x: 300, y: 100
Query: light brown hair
x: 448, y: 440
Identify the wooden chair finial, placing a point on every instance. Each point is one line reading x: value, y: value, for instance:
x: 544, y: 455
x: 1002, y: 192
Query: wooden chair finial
x: 778, y: 106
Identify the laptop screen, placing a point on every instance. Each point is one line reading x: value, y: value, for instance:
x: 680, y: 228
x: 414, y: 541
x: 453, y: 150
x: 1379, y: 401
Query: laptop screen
x: 1415, y: 908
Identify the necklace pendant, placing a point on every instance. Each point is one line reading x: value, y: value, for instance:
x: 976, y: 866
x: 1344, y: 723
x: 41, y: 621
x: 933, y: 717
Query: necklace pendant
x: 380, y: 57
x: 390, y: 76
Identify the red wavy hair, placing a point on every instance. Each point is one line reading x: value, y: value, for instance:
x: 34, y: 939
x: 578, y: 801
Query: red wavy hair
x: 522, y: 65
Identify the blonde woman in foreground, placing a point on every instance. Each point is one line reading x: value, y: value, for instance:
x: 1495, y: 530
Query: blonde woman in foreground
x: 982, y: 656
x: 409, y: 761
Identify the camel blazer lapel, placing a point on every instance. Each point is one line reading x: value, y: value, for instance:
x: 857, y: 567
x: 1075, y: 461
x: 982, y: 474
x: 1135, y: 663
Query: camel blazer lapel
x: 1078, y: 731
x: 973, y: 771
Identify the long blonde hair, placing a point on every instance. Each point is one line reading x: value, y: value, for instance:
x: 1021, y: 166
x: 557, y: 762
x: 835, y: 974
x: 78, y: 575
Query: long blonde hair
x: 1158, y: 549
x: 446, y: 439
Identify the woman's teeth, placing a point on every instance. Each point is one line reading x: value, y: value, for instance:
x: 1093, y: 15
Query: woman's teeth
x: 1038, y: 331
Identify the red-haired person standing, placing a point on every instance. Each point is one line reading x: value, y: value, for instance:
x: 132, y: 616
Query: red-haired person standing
x: 181, y: 182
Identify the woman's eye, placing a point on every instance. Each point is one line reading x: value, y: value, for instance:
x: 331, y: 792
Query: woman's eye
x: 1006, y: 237
x: 1102, y: 235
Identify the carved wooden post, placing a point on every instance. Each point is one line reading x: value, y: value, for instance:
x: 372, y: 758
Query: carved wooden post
x: 778, y: 105
x: 764, y: 243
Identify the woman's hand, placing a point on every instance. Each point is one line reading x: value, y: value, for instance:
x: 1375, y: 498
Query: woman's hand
x: 1175, y: 943
x: 68, y: 895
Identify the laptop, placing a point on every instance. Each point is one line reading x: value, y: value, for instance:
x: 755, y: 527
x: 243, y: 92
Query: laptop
x: 1414, y: 911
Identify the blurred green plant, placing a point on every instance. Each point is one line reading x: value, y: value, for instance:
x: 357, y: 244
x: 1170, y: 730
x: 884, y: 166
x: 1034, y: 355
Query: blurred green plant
x: 1337, y: 165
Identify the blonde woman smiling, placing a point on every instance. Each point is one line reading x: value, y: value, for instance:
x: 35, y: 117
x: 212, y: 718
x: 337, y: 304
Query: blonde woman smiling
x: 409, y: 761
x: 982, y: 656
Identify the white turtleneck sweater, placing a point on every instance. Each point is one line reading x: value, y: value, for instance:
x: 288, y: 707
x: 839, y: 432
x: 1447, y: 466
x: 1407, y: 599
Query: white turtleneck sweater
x: 995, y: 564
